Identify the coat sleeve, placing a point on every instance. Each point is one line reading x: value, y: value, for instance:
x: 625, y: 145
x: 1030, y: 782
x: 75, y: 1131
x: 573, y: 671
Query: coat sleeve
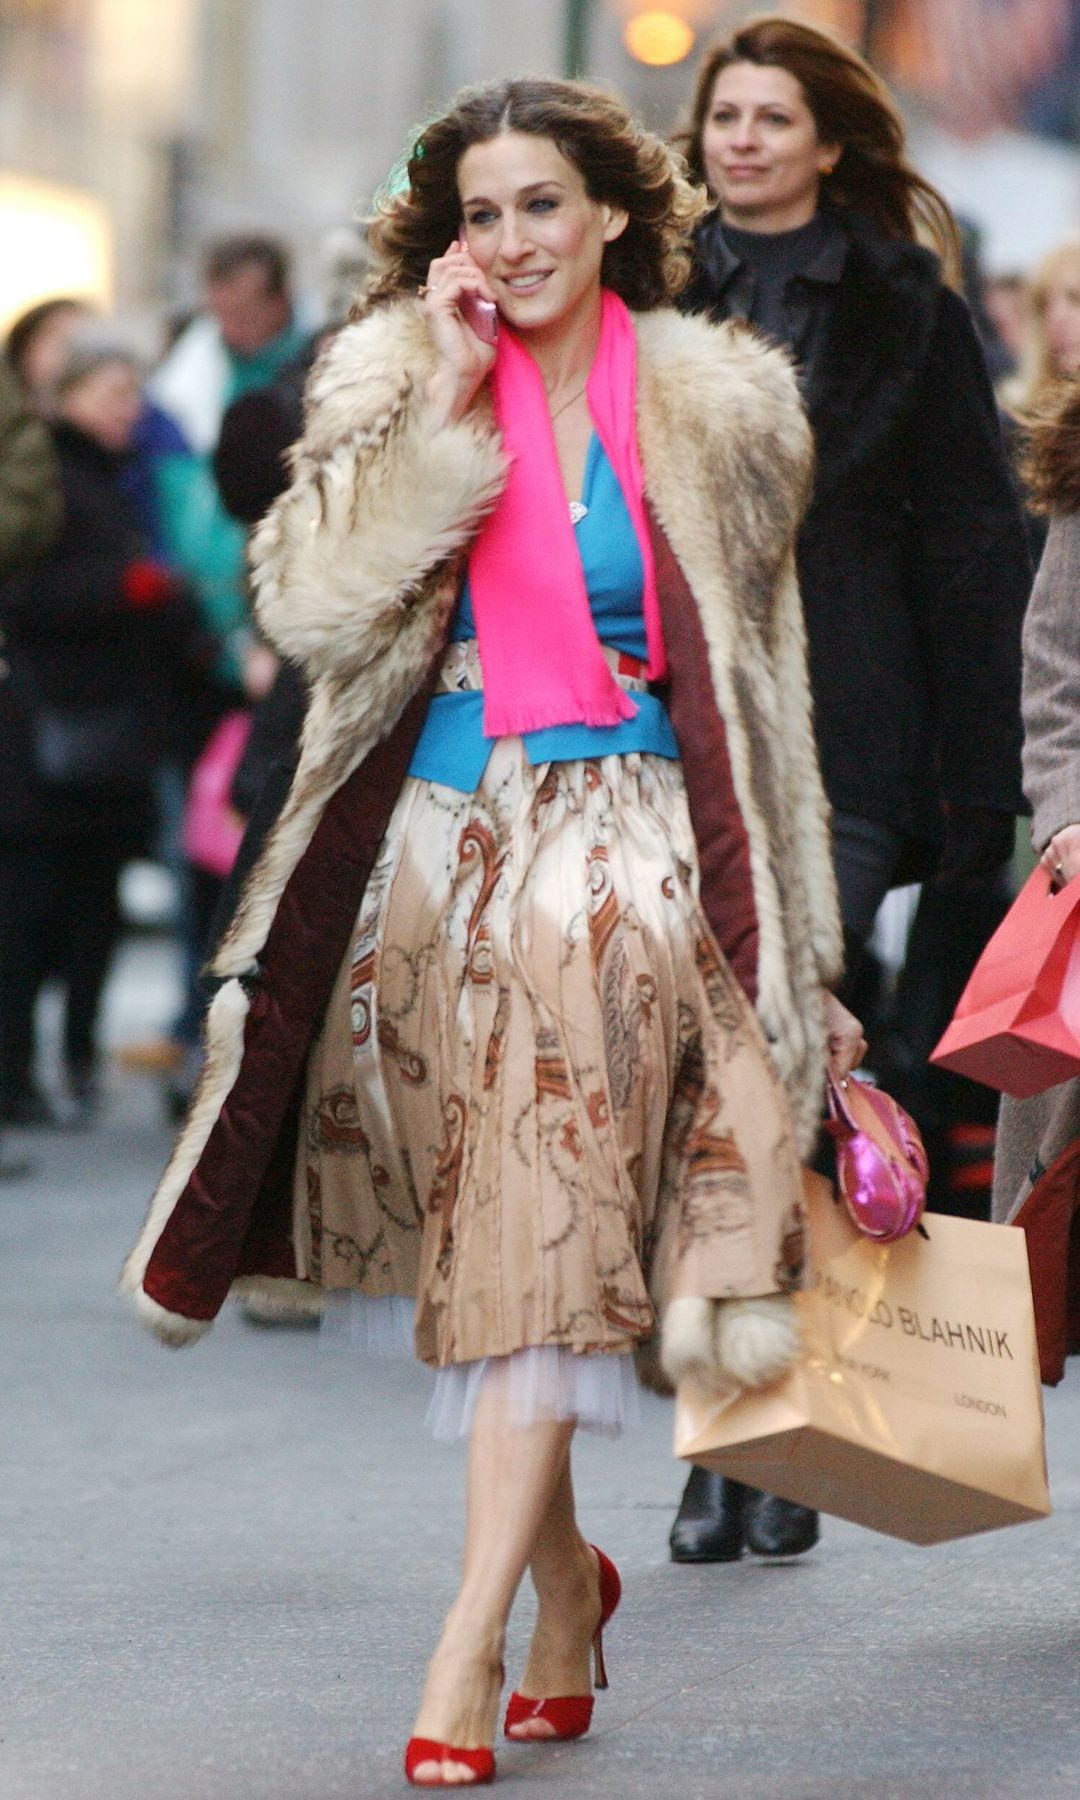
x: 380, y: 497
x: 802, y: 783
x: 970, y: 575
x: 1052, y: 685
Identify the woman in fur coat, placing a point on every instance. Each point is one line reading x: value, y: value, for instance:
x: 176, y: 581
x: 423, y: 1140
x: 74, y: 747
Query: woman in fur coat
x: 1037, y: 1166
x: 522, y: 1019
x: 912, y: 559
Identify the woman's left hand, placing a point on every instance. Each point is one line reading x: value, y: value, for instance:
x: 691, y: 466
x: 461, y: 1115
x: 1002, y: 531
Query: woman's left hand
x: 845, y: 1043
x: 1062, y: 854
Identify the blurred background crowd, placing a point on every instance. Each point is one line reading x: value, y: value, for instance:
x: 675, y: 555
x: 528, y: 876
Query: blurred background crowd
x: 182, y: 188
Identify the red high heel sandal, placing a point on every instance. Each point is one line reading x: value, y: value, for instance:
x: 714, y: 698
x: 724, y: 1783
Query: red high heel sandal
x: 570, y: 1715
x: 422, y: 1750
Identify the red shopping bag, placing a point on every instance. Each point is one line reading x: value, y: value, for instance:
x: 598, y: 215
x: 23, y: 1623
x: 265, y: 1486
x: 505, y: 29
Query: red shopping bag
x: 1017, y: 1026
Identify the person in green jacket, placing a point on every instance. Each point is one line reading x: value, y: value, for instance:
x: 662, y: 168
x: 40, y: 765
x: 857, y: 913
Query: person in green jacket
x: 30, y: 505
x: 242, y: 340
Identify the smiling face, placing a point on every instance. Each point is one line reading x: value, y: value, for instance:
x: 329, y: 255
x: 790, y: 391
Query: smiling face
x: 533, y: 229
x: 760, y: 147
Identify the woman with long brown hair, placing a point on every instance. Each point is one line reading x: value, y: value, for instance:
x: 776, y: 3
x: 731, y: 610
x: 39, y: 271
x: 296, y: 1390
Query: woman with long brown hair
x: 485, y: 1057
x: 912, y: 558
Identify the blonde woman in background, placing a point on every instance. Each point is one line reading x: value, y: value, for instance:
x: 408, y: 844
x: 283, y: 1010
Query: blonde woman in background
x: 1050, y: 351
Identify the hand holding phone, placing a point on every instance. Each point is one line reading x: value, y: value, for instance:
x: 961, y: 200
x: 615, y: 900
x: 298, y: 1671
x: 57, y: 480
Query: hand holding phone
x: 481, y: 316
x: 463, y: 324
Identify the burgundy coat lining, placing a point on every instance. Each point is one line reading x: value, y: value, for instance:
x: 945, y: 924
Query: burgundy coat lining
x: 723, y: 847
x: 235, y: 1214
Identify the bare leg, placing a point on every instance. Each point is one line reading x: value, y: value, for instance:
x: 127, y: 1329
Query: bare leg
x: 513, y: 1474
x: 566, y: 1578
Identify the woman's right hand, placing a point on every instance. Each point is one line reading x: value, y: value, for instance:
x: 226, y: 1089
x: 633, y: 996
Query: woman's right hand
x: 1062, y: 854
x: 845, y: 1045
x: 464, y: 360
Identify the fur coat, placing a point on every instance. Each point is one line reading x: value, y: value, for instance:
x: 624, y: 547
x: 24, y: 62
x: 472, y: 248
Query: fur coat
x: 912, y: 559
x: 357, y: 569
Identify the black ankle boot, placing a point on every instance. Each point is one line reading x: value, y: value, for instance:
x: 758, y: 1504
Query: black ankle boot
x: 709, y: 1523
x: 776, y: 1527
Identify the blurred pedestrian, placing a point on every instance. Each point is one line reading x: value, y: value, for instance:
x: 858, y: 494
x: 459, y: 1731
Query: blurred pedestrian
x: 96, y: 634
x: 912, y: 560
x: 38, y: 344
x: 247, y: 334
x: 31, y: 513
x: 245, y: 337
x: 252, y: 468
x: 973, y: 285
x: 1049, y: 360
x: 1050, y: 349
x: 1005, y: 299
x: 31, y: 509
x: 484, y: 1038
x: 1037, y: 1165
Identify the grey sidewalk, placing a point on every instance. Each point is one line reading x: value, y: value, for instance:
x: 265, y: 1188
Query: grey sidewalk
x: 221, y: 1571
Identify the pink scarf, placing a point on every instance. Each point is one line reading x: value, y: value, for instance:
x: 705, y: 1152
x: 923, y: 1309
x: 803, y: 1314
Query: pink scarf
x: 539, y: 651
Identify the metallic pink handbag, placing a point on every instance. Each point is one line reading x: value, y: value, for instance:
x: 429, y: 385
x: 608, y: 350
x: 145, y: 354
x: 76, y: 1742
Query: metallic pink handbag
x: 881, y: 1166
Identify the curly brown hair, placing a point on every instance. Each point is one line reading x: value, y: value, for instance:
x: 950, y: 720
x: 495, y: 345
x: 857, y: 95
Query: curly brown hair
x: 1050, y: 465
x: 853, y: 108
x: 621, y: 164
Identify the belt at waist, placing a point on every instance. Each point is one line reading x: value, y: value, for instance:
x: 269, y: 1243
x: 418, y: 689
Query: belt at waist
x: 460, y: 671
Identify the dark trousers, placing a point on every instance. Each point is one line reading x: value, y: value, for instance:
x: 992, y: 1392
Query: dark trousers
x: 59, y: 917
x: 865, y: 856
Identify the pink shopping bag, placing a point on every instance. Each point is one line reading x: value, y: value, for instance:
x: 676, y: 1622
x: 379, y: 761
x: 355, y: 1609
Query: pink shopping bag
x: 211, y: 830
x: 1017, y: 1026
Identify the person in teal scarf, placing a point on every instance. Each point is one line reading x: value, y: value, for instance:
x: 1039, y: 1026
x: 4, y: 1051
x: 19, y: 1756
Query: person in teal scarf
x: 245, y: 338
x: 247, y: 334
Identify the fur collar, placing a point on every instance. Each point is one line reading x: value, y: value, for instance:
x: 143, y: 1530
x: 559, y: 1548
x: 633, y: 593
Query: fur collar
x: 720, y: 392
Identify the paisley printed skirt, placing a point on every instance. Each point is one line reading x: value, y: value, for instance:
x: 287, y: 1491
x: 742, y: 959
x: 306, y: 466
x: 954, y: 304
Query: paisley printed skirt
x: 540, y: 1103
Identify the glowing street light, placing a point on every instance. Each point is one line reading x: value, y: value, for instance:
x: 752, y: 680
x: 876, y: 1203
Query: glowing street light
x: 658, y: 38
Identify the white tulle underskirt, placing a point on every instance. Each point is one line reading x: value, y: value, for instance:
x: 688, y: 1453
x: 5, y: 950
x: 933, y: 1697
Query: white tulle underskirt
x: 600, y: 1393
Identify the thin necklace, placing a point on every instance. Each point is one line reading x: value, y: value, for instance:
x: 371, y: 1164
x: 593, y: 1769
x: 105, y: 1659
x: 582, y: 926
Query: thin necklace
x: 570, y: 402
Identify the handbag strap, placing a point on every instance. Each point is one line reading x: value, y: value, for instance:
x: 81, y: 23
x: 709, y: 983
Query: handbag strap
x: 836, y: 1100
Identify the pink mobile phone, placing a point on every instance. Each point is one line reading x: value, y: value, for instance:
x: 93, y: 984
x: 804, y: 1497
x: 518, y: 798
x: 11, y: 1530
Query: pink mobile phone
x: 481, y: 316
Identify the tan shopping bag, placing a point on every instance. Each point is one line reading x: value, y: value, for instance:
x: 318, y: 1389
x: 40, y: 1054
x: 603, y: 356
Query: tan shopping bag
x: 916, y: 1409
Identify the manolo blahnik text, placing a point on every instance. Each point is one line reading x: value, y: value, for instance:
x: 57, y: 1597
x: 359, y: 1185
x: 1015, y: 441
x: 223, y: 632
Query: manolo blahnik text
x: 952, y: 1334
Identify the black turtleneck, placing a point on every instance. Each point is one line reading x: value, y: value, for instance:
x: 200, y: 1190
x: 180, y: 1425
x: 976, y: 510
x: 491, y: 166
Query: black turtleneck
x: 778, y: 280
x: 775, y: 257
